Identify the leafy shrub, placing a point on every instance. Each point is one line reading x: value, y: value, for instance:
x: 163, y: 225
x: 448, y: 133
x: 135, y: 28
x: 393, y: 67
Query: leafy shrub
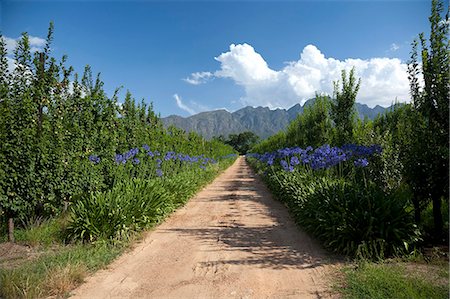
x: 346, y: 210
x: 358, y: 220
x: 130, y: 206
x: 136, y: 203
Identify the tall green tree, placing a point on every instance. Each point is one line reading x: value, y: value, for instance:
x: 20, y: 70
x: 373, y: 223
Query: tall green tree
x: 343, y: 107
x: 430, y: 149
x: 5, y: 114
x: 20, y: 132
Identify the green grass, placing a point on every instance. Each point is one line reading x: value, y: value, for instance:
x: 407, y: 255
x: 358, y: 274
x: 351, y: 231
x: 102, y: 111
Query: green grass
x: 396, y: 280
x: 56, y: 273
x: 45, y: 233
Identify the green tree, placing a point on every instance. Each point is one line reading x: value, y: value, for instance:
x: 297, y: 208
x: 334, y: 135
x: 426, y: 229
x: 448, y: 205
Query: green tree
x: 313, y: 127
x: 430, y: 149
x: 5, y: 114
x: 242, y: 142
x: 20, y: 132
x: 343, y: 107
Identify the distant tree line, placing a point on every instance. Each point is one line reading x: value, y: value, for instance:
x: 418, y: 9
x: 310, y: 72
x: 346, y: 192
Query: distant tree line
x: 241, y: 142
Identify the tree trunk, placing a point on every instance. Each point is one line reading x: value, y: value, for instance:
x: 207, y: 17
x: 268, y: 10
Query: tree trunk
x: 437, y: 215
x: 11, y: 230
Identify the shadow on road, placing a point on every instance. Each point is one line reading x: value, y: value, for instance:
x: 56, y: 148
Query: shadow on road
x: 242, y: 229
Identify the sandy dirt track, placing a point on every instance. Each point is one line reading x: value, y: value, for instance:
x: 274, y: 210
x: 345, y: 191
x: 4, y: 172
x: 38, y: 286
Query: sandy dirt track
x: 232, y: 240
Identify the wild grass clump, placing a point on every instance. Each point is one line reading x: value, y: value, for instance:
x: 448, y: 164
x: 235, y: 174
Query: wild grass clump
x: 392, y: 280
x: 130, y: 206
x: 55, y: 273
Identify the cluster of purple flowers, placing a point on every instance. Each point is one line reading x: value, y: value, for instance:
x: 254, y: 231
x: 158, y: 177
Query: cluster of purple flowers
x: 322, y: 157
x: 94, y: 159
x: 130, y: 155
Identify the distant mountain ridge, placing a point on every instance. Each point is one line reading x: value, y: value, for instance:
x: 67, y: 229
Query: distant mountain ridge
x: 260, y: 120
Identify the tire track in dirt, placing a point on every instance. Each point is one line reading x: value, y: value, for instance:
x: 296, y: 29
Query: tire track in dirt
x: 232, y: 240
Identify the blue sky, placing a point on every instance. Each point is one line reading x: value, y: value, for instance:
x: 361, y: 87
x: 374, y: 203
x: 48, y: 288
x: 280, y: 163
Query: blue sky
x: 244, y: 53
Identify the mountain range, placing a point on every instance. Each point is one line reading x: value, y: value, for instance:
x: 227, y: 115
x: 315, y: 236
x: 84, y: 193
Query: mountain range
x: 260, y: 120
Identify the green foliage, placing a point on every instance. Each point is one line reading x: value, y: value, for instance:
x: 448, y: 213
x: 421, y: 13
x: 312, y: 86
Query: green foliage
x: 114, y: 214
x: 313, y: 127
x: 56, y: 273
x: 242, y: 142
x: 427, y: 153
x: 384, y: 280
x: 270, y: 144
x: 357, y: 220
x: 414, y: 162
x: 41, y: 232
x: 52, y: 122
x: 134, y: 204
x: 343, y: 107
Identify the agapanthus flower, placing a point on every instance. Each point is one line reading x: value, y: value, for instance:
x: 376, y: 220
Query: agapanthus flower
x: 294, y: 161
x: 120, y: 159
x: 94, y: 159
x: 361, y: 162
x: 286, y: 166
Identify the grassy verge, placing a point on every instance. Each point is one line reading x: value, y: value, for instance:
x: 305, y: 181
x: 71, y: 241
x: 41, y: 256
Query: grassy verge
x: 56, y: 272
x: 395, y: 279
x: 56, y: 268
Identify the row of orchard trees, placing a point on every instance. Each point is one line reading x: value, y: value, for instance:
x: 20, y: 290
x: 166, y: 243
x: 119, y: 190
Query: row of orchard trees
x: 51, y: 122
x: 414, y: 136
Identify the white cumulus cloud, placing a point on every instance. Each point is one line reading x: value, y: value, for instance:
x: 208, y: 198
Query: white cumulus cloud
x: 383, y: 79
x: 181, y: 105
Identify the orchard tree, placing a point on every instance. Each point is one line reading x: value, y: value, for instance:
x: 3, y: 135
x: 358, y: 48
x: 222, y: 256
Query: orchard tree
x: 20, y: 131
x: 5, y: 116
x: 429, y: 153
x: 343, y: 107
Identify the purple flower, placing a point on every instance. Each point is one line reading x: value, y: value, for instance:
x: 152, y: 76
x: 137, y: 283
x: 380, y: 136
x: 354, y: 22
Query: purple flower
x: 294, y: 161
x: 361, y: 162
x: 286, y: 166
x: 120, y: 159
x: 136, y: 161
x: 159, y: 172
x: 94, y: 159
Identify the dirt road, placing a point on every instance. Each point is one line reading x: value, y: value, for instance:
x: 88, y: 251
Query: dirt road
x: 231, y: 241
